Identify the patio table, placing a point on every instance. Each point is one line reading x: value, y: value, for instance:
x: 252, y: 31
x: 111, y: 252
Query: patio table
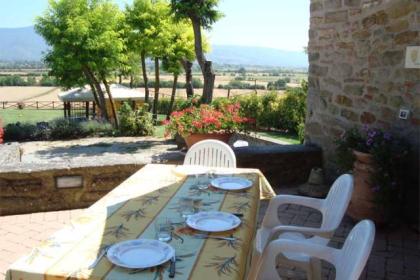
x: 128, y: 212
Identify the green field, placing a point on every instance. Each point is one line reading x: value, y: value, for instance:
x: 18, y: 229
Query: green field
x: 28, y: 116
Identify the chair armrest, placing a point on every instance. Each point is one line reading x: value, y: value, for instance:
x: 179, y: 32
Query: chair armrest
x: 266, y: 267
x: 276, y: 231
x: 313, y: 250
x: 271, y: 217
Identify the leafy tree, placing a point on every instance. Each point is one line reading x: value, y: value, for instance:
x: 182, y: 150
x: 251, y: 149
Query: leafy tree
x: 86, y: 44
x: 150, y: 22
x: 202, y: 14
x: 180, y: 52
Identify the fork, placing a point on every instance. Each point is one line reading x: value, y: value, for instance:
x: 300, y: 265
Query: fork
x: 205, y: 236
x: 101, y: 255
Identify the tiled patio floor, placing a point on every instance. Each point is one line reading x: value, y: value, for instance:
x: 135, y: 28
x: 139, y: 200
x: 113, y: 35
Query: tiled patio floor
x: 396, y: 253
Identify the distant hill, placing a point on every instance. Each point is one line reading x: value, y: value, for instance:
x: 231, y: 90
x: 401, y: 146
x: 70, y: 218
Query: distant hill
x: 18, y: 44
x: 244, y: 55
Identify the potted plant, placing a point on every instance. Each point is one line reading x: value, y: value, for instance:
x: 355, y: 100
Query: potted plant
x: 377, y: 160
x: 207, y: 122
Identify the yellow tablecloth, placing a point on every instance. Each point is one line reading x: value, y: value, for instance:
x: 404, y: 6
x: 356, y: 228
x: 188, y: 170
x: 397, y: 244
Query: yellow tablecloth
x: 128, y: 212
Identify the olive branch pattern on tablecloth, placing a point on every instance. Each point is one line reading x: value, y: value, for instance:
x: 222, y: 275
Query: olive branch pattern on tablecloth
x: 224, y: 265
x: 136, y: 214
x: 117, y: 231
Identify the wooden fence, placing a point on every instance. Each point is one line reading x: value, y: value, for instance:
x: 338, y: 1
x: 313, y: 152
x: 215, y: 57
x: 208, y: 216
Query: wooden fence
x: 35, y: 105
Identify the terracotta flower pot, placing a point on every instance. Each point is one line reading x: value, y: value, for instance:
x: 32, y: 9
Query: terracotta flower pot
x: 363, y: 205
x: 194, y: 138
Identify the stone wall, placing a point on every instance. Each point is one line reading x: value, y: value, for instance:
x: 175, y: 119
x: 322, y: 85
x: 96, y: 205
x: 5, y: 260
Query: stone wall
x: 282, y: 165
x: 28, y: 191
x: 28, y: 188
x: 357, y: 75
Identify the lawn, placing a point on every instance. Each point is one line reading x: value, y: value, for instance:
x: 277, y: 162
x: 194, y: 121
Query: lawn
x: 288, y: 138
x: 28, y: 115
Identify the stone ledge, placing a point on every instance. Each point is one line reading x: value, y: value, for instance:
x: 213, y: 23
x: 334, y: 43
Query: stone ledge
x: 281, y: 164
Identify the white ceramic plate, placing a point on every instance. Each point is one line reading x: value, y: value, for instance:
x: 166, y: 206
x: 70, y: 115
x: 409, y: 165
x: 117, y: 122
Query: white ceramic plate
x: 213, y: 221
x: 231, y: 183
x: 140, y: 253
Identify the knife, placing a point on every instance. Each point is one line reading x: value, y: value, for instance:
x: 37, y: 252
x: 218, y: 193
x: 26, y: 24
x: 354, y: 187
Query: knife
x: 172, y: 267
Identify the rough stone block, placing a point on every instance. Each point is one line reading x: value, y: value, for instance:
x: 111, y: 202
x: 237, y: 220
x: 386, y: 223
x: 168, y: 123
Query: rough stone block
x: 356, y: 90
x: 343, y: 100
x: 336, y: 17
x: 332, y: 4
x: 406, y: 37
x: 400, y: 8
x: 318, y: 70
x: 349, y: 115
x: 352, y: 3
x: 392, y: 58
x: 367, y: 118
x: 397, y: 26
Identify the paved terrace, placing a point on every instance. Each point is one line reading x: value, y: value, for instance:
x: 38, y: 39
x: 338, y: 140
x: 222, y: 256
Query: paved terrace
x: 395, y: 255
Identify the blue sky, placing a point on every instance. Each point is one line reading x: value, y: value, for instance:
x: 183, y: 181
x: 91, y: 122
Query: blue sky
x: 281, y: 24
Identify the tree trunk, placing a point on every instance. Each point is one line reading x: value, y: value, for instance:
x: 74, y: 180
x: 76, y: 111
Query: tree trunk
x: 171, y: 104
x: 120, y: 79
x: 111, y: 101
x: 95, y: 95
x: 131, y: 81
x: 188, y: 77
x: 145, y: 79
x: 206, y: 66
x: 99, y: 91
x: 157, y: 87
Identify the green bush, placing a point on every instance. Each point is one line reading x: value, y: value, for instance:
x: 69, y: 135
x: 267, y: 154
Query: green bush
x: 48, y: 81
x: 278, y: 85
x: 135, y: 123
x: 96, y: 128
x: 62, y: 129
x: 293, y: 109
x: 19, y: 132
x: 12, y: 80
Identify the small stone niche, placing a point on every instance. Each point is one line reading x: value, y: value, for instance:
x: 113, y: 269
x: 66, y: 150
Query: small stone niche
x: 66, y: 182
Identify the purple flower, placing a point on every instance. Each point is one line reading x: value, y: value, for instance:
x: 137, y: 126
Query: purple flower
x: 376, y: 188
x: 369, y: 142
x: 387, y: 136
x: 372, y: 133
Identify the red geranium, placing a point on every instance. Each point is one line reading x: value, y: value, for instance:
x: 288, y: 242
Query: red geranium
x: 207, y: 119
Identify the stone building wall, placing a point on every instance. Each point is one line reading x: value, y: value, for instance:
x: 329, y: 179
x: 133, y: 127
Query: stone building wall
x: 357, y: 74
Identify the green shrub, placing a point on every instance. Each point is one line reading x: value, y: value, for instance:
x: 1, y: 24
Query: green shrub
x: 251, y: 106
x: 293, y: 109
x: 62, y: 129
x: 135, y: 123
x: 12, y: 80
x: 48, y: 81
x: 278, y: 85
x: 18, y: 132
x: 96, y: 128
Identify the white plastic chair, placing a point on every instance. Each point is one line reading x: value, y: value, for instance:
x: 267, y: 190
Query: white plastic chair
x: 210, y: 153
x: 332, y: 208
x: 349, y: 261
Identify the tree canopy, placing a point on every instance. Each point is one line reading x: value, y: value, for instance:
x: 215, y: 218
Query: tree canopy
x: 86, y: 43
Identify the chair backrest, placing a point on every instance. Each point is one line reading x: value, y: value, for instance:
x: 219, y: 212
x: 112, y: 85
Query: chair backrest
x: 335, y: 204
x: 352, y: 258
x: 349, y: 261
x: 210, y: 153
